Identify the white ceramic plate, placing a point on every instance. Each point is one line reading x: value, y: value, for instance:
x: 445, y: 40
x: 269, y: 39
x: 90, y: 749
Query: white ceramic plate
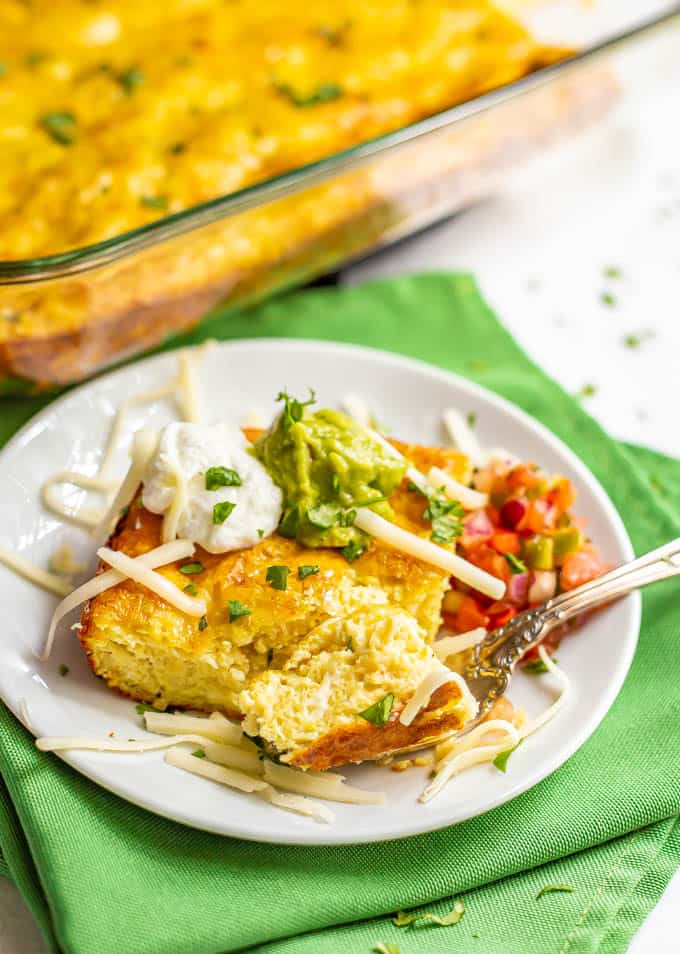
x: 236, y: 378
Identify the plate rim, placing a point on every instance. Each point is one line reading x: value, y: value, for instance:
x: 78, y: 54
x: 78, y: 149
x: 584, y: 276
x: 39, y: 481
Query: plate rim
x: 420, y: 824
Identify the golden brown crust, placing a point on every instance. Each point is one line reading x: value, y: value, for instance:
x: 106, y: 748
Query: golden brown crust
x: 365, y: 742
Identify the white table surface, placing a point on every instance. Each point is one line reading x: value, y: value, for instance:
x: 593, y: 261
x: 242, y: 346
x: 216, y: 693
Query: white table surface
x: 539, y: 250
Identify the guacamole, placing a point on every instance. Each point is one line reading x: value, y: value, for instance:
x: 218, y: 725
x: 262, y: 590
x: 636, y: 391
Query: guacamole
x: 327, y: 465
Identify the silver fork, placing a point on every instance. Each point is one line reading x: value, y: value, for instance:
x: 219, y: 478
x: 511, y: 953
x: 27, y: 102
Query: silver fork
x: 492, y: 661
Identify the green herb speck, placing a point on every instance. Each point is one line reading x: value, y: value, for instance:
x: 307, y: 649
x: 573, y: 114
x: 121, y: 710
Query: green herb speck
x: 608, y: 298
x: 501, y: 760
x: 62, y: 127
x: 237, y: 610
x: 216, y: 477
x: 306, y: 570
x: 516, y: 565
x: 278, y: 577
x: 191, y: 589
x: 379, y: 712
x: 198, y: 753
x: 63, y: 669
x: 191, y: 569
x: 202, y: 623
x: 130, y: 79
x: 159, y: 202
x: 222, y: 510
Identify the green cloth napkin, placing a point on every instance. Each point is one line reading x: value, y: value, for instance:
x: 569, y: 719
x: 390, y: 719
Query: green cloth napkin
x: 103, y: 876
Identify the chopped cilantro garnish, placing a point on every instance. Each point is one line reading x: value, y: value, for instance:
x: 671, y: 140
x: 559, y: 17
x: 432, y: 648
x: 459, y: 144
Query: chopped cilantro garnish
x: 34, y: 57
x: 547, y: 888
x: 155, y: 202
x: 222, y: 510
x: 191, y: 589
x: 191, y: 569
x: 588, y: 390
x: 501, y: 760
x: 289, y: 523
x: 292, y: 408
x: 131, y: 79
x: 202, y: 623
x: 471, y: 419
x: 63, y: 669
x: 353, y: 550
x: 350, y: 644
x: 516, y: 565
x: 306, y: 570
x: 536, y: 667
x: 260, y: 533
x: 198, y: 753
x: 221, y: 477
x: 632, y: 341
x: 445, y: 516
x: 324, y: 93
x: 177, y: 148
x: 237, y: 610
x: 406, y: 918
x: 379, y: 712
x: 62, y: 127
x: 612, y: 271
x: 143, y: 707
x: 270, y: 656
x: 324, y: 516
x: 278, y: 577
x: 608, y: 298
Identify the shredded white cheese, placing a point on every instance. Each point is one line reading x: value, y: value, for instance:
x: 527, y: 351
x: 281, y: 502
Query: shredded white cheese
x: 429, y: 552
x: 48, y: 581
x: 153, y: 581
x: 462, y: 752
x: 160, y: 556
x: 180, y: 758
x: 85, y: 516
x: 322, y: 785
x: 218, y: 730
x: 425, y: 690
x: 467, y: 497
x: 58, y: 743
x: 462, y: 436
x: 451, y: 645
x: 143, y: 446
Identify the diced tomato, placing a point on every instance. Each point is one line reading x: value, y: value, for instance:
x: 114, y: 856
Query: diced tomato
x: 579, y: 568
x: 522, y: 477
x: 501, y: 613
x: 505, y: 542
x: 488, y: 559
x: 535, y: 517
x: 561, y: 496
x: 470, y: 616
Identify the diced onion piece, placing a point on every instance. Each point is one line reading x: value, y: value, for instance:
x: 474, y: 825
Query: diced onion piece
x: 144, y: 445
x: 462, y: 435
x: 450, y: 645
x: 298, y: 804
x: 172, y: 723
x: 324, y: 786
x: 233, y: 756
x: 420, y: 480
x: 48, y: 581
x: 429, y: 685
x: 160, y: 556
x: 86, y: 516
x: 180, y: 758
x: 466, y: 496
x: 57, y: 743
x: 429, y: 552
x: 153, y: 581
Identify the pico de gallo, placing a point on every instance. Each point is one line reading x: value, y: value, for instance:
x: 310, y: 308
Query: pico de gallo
x: 527, y: 537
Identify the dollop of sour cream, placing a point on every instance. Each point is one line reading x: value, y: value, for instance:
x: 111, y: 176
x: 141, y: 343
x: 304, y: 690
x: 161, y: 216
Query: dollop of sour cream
x: 184, y: 455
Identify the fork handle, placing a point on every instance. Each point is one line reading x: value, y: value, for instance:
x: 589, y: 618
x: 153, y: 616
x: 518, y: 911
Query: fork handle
x: 611, y: 586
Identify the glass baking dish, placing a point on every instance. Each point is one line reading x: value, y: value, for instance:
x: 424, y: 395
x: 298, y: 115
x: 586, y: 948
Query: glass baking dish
x: 97, y: 305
